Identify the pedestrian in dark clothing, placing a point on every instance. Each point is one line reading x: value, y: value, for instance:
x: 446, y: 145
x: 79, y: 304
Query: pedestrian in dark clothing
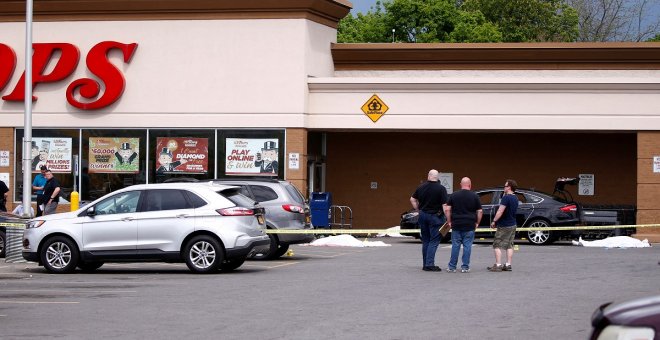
x: 51, y: 193
x: 429, y: 199
x: 38, y: 186
x: 4, y: 193
x: 463, y: 216
x: 505, y: 222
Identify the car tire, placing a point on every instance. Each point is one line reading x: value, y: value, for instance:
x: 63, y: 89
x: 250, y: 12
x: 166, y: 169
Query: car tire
x: 59, y: 255
x: 272, y: 250
x: 203, y: 254
x: 540, y: 237
x: 90, y: 266
x: 3, y: 237
x: 232, y: 264
x: 281, y: 250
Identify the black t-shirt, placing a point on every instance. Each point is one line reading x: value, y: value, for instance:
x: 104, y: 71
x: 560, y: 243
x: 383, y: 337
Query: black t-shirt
x: 3, y: 190
x: 49, y: 188
x: 464, y: 205
x: 431, y: 196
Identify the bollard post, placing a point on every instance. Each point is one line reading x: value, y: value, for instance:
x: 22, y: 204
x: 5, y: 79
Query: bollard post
x: 75, y: 200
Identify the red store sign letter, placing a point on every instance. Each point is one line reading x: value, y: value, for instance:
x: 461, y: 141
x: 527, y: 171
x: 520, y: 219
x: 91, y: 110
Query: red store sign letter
x: 7, y: 64
x: 97, y: 63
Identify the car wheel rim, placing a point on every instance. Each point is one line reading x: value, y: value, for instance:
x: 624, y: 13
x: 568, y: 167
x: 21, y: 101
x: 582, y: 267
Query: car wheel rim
x: 58, y: 255
x: 202, y: 254
x: 538, y: 236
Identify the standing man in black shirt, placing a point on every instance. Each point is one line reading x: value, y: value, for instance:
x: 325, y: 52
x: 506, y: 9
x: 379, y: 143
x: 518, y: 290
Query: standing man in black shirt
x: 429, y: 199
x: 463, y: 215
x: 4, y: 193
x: 51, y: 193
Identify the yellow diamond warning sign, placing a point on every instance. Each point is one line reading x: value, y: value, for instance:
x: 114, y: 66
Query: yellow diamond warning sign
x: 374, y: 108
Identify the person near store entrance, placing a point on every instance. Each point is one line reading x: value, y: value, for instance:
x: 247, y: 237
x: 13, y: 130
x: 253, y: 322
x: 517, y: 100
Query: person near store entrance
x: 51, y: 193
x: 430, y: 199
x: 505, y: 222
x: 38, y: 186
x: 463, y: 216
x: 4, y: 193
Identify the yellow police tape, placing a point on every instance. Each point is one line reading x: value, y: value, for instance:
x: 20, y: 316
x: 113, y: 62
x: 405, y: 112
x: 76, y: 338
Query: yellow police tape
x: 414, y: 231
x: 15, y: 225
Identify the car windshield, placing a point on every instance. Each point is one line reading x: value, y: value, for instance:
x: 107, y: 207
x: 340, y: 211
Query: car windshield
x: 235, y: 196
x: 293, y: 192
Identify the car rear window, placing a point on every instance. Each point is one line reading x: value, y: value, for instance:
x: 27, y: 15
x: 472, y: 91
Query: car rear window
x: 195, y: 200
x: 263, y: 193
x: 235, y: 196
x: 293, y: 192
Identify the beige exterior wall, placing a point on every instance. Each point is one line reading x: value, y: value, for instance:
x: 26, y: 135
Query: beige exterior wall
x: 215, y: 73
x: 490, y: 100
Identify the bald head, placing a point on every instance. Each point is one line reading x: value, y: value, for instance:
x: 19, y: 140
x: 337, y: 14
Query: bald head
x: 466, y: 183
x: 433, y: 175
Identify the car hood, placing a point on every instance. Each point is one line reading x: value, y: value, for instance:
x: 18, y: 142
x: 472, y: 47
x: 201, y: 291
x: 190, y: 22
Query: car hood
x: 61, y: 216
x: 638, y: 312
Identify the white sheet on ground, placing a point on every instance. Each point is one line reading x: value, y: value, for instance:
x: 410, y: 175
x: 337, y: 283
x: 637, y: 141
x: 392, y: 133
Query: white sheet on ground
x: 392, y: 232
x: 346, y: 241
x: 614, y: 242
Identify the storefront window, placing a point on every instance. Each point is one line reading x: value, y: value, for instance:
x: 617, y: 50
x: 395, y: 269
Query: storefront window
x: 112, y: 159
x: 251, y: 153
x: 54, y: 148
x: 181, y: 153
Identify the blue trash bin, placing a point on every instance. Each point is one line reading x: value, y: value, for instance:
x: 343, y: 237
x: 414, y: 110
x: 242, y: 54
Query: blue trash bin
x: 320, y: 209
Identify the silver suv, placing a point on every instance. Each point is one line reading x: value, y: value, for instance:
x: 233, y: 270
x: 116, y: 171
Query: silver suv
x: 208, y: 226
x: 285, y: 209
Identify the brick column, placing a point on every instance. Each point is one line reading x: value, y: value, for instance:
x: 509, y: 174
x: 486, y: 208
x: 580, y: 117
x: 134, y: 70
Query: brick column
x: 648, y: 185
x: 296, y: 142
x: 7, y: 144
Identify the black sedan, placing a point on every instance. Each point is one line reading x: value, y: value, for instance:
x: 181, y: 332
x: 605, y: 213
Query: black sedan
x: 535, y: 210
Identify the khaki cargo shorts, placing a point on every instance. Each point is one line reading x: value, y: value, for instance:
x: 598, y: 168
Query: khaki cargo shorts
x: 504, y: 237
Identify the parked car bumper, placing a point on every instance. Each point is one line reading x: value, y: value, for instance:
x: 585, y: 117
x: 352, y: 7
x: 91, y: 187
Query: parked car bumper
x: 253, y: 247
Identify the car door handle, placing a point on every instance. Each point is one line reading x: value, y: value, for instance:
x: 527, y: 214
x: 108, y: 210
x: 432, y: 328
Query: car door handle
x: 181, y: 216
x: 126, y: 219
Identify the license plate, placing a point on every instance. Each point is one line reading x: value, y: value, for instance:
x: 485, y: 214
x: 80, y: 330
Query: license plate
x: 260, y: 219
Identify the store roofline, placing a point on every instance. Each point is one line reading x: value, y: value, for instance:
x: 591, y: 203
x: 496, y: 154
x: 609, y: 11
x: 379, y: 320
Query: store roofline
x: 326, y: 12
x: 497, y: 56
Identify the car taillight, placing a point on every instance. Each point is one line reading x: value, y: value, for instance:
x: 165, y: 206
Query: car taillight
x: 235, y: 211
x: 293, y: 208
x: 568, y: 208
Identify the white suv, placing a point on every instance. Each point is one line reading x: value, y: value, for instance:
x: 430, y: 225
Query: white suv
x: 208, y: 226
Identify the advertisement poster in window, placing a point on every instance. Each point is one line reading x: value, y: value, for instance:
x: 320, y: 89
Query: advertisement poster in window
x: 54, y: 153
x: 114, y: 155
x: 182, y: 155
x: 252, y: 156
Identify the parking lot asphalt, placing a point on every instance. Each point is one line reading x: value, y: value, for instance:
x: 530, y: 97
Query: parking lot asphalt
x: 331, y: 293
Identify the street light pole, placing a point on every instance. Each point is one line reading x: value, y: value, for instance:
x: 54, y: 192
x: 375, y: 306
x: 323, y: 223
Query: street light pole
x: 27, y: 136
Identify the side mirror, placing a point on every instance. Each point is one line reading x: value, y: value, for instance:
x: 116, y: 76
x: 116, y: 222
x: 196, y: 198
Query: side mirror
x: 91, y: 211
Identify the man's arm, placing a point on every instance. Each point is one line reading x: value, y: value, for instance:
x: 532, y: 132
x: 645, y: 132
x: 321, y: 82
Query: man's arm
x: 480, y: 214
x: 447, y: 209
x: 498, y: 214
x: 415, y: 203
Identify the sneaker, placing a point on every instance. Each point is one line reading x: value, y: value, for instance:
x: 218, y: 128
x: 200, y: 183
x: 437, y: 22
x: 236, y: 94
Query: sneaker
x: 465, y: 270
x: 495, y: 268
x: 449, y: 270
x: 432, y: 269
x: 507, y: 268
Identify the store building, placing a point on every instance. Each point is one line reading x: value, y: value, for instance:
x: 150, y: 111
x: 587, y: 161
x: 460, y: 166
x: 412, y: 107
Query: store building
x: 142, y: 91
